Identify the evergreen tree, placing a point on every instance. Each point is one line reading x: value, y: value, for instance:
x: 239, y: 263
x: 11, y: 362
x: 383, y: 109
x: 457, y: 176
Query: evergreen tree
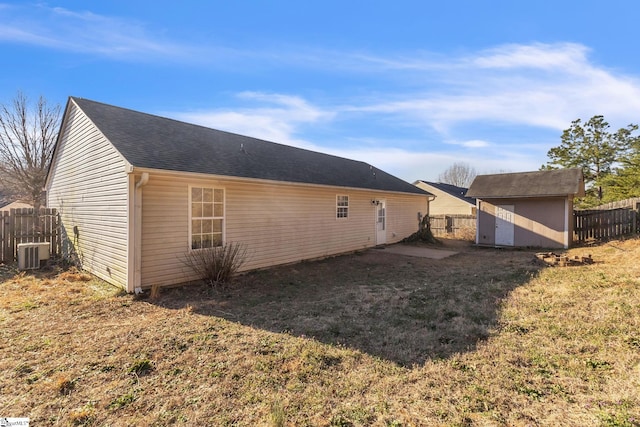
x: 624, y: 182
x: 594, y: 148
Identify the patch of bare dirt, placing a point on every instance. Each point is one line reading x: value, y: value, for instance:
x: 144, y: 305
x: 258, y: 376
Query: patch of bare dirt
x: 401, y: 308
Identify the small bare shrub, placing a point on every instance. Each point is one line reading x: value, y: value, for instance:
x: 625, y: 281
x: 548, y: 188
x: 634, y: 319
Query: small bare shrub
x: 278, y: 414
x: 155, y: 291
x: 64, y: 385
x: 424, y: 233
x: 141, y: 367
x: 74, y: 275
x: 84, y: 416
x: 218, y: 265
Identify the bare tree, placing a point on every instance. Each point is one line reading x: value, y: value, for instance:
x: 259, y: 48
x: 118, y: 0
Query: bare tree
x: 459, y: 174
x: 27, y: 138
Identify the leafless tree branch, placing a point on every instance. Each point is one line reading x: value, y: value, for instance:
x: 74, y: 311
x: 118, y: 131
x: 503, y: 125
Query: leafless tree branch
x: 459, y: 174
x: 27, y: 138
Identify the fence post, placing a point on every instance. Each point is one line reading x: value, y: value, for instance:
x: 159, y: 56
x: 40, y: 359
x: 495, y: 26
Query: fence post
x: 24, y: 225
x: 605, y: 224
x: 4, y: 236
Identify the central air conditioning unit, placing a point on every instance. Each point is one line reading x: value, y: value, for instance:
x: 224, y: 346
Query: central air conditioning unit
x: 30, y: 255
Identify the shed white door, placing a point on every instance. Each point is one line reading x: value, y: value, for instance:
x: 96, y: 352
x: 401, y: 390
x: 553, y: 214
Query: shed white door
x: 381, y: 223
x: 504, y: 225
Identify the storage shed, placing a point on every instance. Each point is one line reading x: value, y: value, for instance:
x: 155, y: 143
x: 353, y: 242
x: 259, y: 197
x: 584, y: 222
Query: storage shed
x: 528, y: 208
x: 135, y: 192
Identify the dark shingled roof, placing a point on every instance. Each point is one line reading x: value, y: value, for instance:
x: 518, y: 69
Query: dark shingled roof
x: 154, y: 142
x: 559, y: 182
x: 452, y: 190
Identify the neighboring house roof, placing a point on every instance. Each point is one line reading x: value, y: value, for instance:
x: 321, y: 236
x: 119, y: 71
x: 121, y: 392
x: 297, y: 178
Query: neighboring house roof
x: 7, y: 201
x: 15, y: 205
x: 154, y: 142
x: 5, y: 198
x: 458, y: 192
x: 558, y: 182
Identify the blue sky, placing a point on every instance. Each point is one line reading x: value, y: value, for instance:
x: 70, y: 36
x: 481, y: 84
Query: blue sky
x: 408, y: 86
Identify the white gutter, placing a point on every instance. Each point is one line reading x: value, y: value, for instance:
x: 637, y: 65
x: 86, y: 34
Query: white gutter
x: 143, y: 180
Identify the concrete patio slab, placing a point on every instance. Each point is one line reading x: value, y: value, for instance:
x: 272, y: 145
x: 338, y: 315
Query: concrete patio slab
x: 417, y: 251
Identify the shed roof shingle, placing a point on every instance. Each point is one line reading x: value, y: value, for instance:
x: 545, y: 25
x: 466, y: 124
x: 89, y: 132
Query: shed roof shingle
x: 558, y: 182
x: 155, y: 142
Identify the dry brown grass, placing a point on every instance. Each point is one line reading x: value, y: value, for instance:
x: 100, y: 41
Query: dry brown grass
x: 486, y: 337
x: 74, y: 275
x: 466, y: 233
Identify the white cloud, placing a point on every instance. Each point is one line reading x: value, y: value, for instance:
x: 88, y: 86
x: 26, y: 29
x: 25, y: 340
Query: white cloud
x: 85, y: 32
x: 412, y: 165
x: 497, y: 88
x: 475, y: 143
x: 540, y: 85
x: 277, y: 122
x: 452, y: 98
x: 280, y: 122
x: 293, y: 108
x: 567, y: 56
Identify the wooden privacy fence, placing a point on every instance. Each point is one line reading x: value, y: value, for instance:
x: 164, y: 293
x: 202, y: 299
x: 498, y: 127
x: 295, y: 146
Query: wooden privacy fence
x: 632, y: 203
x: 599, y: 224
x: 25, y: 226
x: 463, y: 226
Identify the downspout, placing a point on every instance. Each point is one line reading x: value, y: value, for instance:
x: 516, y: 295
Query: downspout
x: 478, y: 212
x: 137, y: 239
x: 430, y: 198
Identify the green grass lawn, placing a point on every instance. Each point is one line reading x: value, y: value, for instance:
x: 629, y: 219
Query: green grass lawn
x: 486, y: 337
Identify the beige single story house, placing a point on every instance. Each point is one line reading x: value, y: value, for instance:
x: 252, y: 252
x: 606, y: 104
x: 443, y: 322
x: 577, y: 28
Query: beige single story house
x: 449, y: 199
x: 136, y: 192
x: 526, y: 209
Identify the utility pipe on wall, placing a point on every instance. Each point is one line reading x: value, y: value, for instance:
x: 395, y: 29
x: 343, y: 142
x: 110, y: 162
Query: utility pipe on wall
x: 137, y: 245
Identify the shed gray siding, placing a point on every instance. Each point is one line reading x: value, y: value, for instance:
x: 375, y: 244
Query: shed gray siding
x: 89, y: 186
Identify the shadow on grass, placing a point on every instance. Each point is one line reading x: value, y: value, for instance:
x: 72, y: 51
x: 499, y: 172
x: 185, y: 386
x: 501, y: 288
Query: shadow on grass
x: 395, y: 307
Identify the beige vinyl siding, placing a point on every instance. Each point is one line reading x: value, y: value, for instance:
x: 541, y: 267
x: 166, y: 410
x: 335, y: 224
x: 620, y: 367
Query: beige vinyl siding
x: 89, y: 187
x: 165, y: 231
x: 402, y: 215
x: 278, y: 223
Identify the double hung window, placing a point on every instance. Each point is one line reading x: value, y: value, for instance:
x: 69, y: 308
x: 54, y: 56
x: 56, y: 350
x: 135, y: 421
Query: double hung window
x: 207, y: 217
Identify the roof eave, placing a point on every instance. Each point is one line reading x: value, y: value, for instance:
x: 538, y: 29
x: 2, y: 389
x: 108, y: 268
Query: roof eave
x: 528, y: 196
x: 200, y: 175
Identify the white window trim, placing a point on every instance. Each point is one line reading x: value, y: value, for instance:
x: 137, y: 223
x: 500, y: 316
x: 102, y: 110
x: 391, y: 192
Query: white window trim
x: 338, y: 217
x: 224, y: 216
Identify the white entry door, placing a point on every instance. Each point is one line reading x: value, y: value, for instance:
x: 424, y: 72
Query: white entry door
x: 381, y: 223
x: 504, y: 225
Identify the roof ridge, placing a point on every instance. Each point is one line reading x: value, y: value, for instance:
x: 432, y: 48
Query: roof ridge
x: 156, y: 142
x: 157, y: 116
